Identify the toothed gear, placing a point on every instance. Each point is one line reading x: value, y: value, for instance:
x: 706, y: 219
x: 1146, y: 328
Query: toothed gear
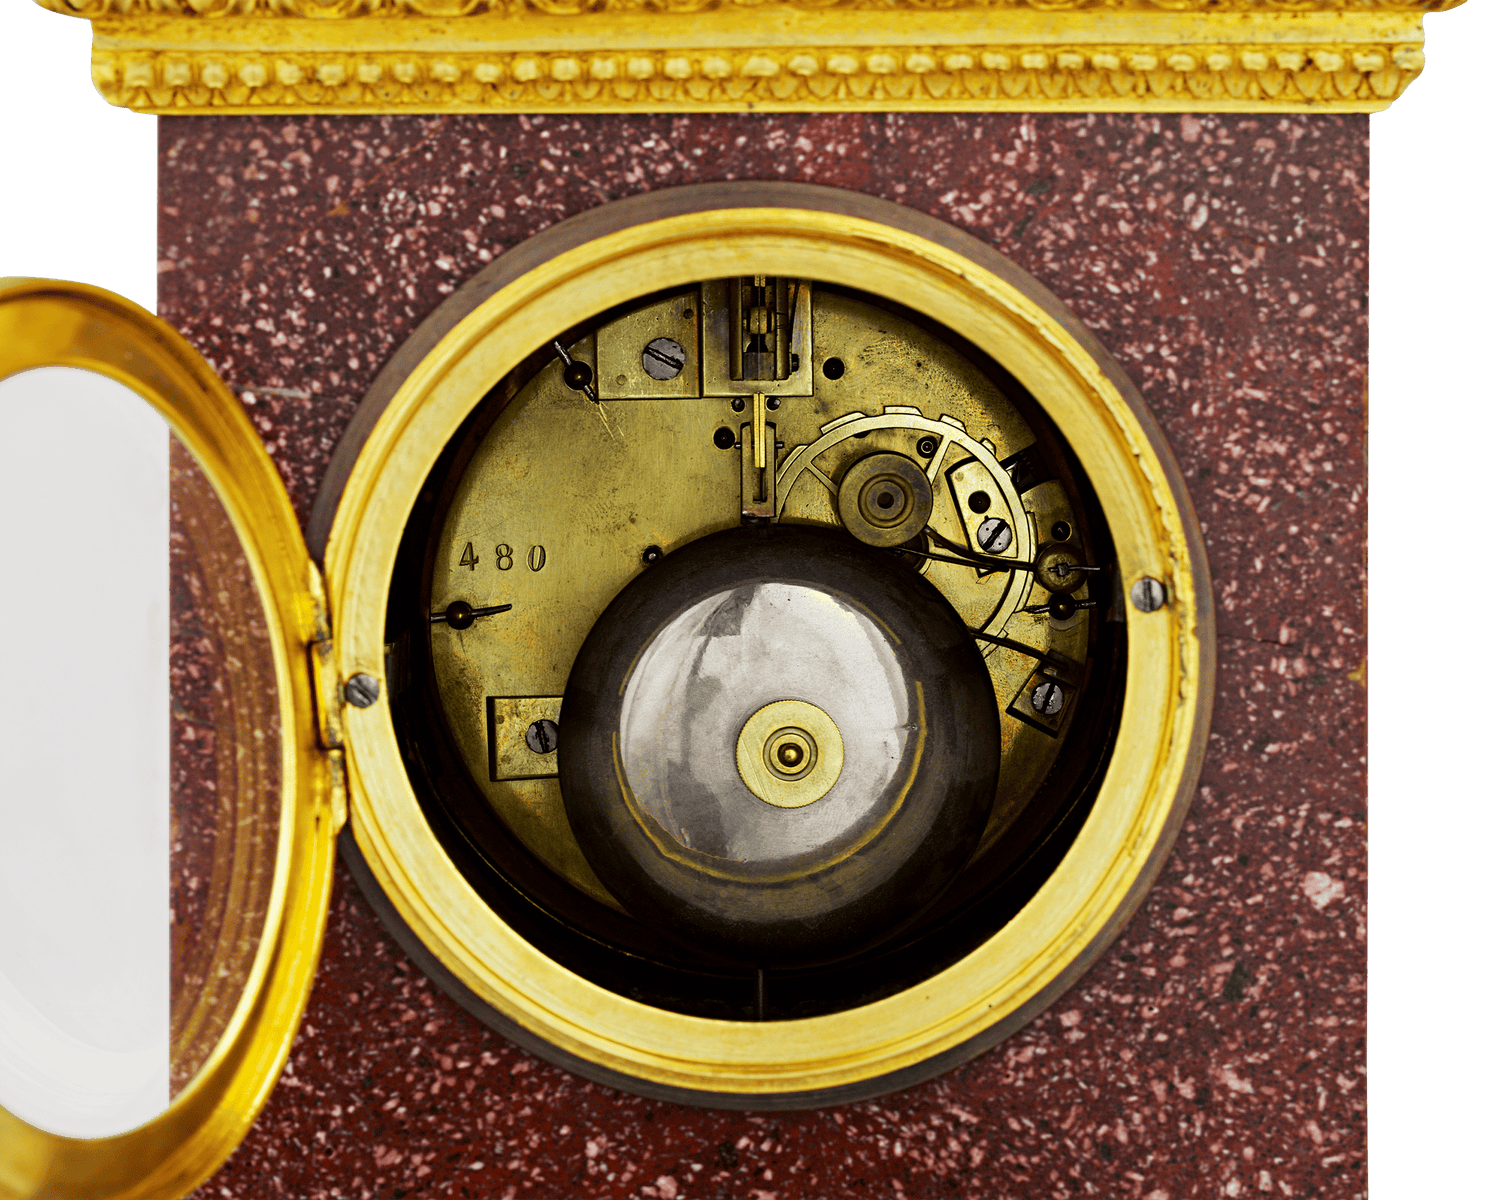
x: 949, y: 432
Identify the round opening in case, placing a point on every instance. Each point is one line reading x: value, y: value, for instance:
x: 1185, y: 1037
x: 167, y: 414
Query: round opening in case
x: 798, y: 768
x: 798, y: 737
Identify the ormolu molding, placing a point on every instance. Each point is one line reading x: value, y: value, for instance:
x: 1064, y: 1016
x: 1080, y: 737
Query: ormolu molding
x: 197, y: 56
x: 465, y: 8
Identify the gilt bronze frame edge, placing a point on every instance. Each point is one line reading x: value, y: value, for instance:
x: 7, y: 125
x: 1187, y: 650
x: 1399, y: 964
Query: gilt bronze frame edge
x: 576, y: 56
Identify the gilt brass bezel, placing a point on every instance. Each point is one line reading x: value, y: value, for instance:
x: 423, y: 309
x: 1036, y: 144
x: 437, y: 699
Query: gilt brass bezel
x: 43, y: 324
x: 592, y: 263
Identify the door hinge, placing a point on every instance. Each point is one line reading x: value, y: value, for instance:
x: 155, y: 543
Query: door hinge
x: 325, y: 681
x: 338, y: 789
x: 322, y: 668
x: 323, y: 673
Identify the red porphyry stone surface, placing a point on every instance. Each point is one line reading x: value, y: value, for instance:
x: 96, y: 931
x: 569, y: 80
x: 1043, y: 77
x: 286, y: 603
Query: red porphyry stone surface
x: 1218, y: 1047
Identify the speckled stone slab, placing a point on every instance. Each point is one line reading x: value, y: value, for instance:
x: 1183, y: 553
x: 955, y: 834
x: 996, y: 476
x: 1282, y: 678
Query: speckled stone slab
x: 1218, y: 1048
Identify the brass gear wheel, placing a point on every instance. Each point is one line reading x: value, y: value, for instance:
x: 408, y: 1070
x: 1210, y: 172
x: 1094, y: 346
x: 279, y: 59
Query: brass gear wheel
x: 955, y: 446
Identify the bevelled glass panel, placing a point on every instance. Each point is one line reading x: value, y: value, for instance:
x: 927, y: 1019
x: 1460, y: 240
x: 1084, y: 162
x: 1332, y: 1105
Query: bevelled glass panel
x: 139, y: 759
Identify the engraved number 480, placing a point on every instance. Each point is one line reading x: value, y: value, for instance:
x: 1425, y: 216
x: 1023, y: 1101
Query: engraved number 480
x: 536, y: 557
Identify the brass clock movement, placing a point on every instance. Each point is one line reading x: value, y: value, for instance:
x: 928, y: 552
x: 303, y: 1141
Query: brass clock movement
x: 749, y: 625
x: 764, y: 641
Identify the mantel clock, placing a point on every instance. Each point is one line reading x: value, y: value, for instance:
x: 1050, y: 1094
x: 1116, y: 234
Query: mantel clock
x: 752, y: 644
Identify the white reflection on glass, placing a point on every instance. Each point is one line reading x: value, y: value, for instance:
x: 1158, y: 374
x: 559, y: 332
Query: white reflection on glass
x: 84, y: 769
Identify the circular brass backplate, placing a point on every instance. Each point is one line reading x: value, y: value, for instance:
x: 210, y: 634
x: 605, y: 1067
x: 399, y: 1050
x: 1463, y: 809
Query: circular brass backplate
x: 597, y: 261
x: 789, y: 753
